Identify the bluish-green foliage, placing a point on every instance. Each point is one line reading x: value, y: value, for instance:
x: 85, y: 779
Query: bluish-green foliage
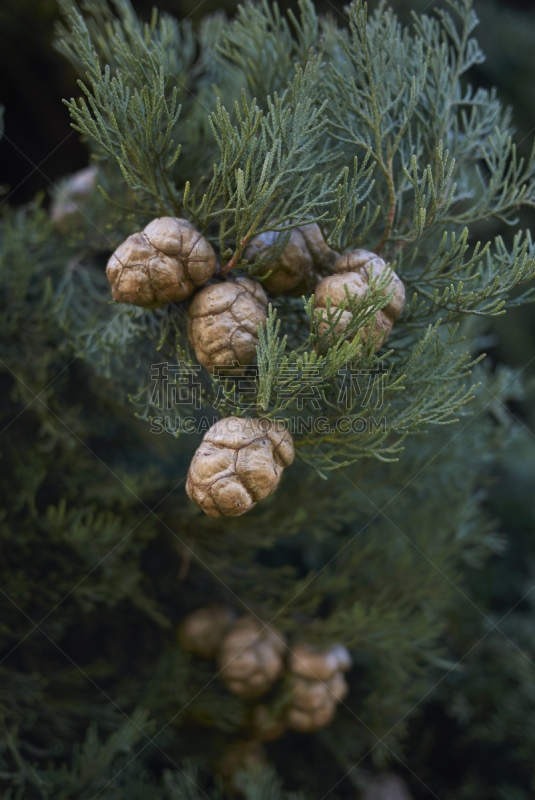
x: 370, y: 129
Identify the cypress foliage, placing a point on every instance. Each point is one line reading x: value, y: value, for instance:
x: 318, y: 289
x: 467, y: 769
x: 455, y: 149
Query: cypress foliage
x: 372, y: 131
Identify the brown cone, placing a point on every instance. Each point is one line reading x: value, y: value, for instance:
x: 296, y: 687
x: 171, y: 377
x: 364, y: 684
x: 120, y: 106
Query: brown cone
x: 239, y: 462
x: 294, y: 272
x: 354, y: 270
x: 68, y: 204
x: 202, y: 631
x: 223, y: 321
x: 250, y: 657
x: 162, y: 264
x: 317, y: 685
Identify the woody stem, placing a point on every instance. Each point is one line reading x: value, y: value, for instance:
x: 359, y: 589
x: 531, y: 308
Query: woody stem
x: 224, y: 271
x: 391, y: 211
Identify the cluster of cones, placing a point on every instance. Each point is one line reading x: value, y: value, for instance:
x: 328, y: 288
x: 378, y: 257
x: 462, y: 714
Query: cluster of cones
x: 241, y: 460
x: 170, y: 260
x: 251, y: 657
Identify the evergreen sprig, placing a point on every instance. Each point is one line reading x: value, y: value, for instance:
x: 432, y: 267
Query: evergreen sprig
x: 369, y: 130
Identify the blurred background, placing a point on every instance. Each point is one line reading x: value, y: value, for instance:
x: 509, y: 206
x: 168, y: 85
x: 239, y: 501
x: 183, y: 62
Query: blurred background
x: 39, y: 147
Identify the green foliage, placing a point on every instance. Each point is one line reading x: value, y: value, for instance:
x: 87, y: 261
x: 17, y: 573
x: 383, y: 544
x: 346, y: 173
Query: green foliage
x: 369, y: 130
x: 373, y: 131
x: 266, y: 160
x: 131, y: 113
x: 79, y: 536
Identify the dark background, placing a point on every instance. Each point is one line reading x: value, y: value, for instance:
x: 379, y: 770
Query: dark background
x: 40, y: 146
